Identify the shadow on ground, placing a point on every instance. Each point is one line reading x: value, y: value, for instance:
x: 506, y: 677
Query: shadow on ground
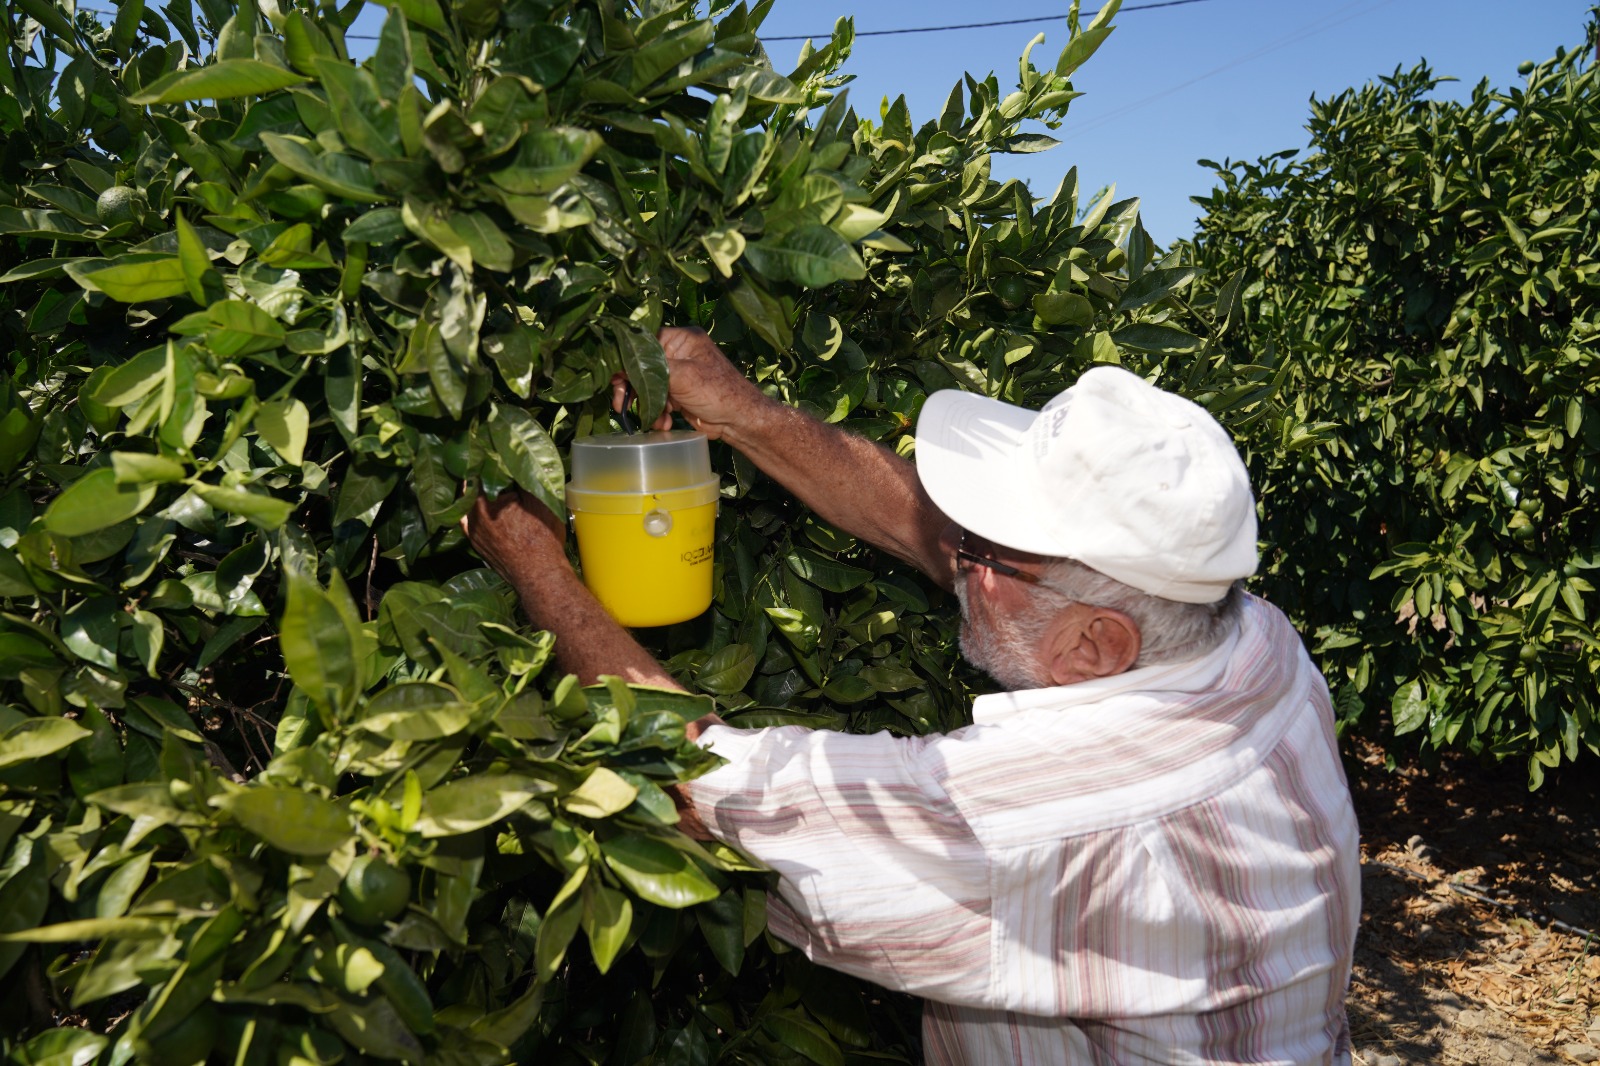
x: 1444, y: 978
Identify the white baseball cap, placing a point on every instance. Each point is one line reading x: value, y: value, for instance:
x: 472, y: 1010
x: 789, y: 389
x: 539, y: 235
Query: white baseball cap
x: 1142, y: 485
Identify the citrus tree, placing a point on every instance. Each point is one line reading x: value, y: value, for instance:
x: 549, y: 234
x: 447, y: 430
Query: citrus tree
x: 1423, y: 280
x: 283, y: 776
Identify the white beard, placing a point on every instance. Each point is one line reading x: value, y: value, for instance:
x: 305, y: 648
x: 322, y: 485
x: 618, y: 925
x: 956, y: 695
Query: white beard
x: 1005, y: 651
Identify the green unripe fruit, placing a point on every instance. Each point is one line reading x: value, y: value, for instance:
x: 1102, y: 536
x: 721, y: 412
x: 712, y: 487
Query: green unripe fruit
x: 1525, y: 67
x: 1013, y: 290
x: 1515, y: 478
x: 1528, y: 506
x: 117, y: 205
x: 1529, y: 653
x: 374, y: 891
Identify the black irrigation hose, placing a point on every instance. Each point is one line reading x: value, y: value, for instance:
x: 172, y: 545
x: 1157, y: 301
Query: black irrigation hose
x: 1474, y: 892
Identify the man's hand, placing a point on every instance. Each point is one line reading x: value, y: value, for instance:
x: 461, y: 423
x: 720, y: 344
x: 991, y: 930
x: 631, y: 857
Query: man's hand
x: 864, y: 488
x: 517, y: 535
x: 709, y: 390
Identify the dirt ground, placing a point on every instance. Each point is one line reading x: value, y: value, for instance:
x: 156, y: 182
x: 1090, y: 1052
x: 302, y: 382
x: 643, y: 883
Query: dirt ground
x: 1480, y: 933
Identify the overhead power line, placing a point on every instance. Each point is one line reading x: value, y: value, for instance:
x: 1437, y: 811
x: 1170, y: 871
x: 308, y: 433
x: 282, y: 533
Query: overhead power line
x: 1056, y: 17
x: 1327, y: 22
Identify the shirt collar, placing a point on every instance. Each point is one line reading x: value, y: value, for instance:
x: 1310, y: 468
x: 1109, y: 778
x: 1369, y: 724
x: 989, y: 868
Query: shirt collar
x: 1192, y: 675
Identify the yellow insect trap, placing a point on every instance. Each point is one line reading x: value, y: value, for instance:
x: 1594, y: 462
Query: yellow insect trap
x: 644, y: 507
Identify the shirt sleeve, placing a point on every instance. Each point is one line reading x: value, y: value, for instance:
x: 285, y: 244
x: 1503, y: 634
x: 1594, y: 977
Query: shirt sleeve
x: 881, y: 876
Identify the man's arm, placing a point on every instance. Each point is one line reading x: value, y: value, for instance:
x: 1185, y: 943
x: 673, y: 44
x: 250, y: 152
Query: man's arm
x: 521, y: 539
x: 859, y: 486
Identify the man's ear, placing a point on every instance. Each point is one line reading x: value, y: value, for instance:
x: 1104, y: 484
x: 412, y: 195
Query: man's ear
x: 1092, y: 642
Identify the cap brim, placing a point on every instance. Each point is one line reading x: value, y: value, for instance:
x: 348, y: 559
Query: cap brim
x: 966, y: 450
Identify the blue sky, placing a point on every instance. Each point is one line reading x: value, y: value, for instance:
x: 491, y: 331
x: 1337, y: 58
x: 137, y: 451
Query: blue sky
x: 1210, y: 79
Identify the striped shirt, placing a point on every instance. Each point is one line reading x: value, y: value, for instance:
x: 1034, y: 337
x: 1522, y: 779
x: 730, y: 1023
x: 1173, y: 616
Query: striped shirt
x: 1155, y: 867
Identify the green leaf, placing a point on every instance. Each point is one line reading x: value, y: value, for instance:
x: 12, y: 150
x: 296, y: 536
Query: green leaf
x: 547, y: 51
x: 96, y: 501
x: 766, y: 85
x: 1156, y: 285
x: 657, y: 872
x: 35, y: 269
x: 722, y: 924
x: 486, y: 241
x: 891, y: 678
x: 826, y: 573
x: 607, y: 918
x: 416, y: 710
x: 602, y: 794
x: 793, y: 1030
x: 725, y: 246
x: 134, y: 379
x: 46, y: 225
x: 561, y: 921
x: 285, y: 424
x: 338, y: 174
x: 364, y: 122
x: 434, y: 488
x: 140, y: 280
x: 728, y: 670
x: 300, y: 823
x: 529, y: 455
x: 14, y: 580
x: 1063, y: 309
x: 1145, y: 337
x: 321, y: 640
x: 378, y: 226
x: 811, y: 255
x: 149, y: 800
x: 1081, y: 47
x: 137, y: 928
x: 1409, y: 710
x: 432, y: 223
x: 763, y: 314
x: 374, y: 1027
x: 646, y: 366
x: 62, y: 1047
x: 238, y: 327
x: 196, y: 263
x: 222, y: 80
x: 91, y: 629
x: 547, y: 158
x: 37, y: 738
x: 362, y: 492
x: 474, y: 802
x: 848, y: 688
x: 266, y: 512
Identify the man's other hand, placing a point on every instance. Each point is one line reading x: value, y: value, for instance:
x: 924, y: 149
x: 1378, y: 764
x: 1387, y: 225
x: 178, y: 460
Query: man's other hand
x: 516, y: 534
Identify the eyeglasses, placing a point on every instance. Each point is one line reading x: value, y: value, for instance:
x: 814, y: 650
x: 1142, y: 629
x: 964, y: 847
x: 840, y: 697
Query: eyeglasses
x: 972, y: 558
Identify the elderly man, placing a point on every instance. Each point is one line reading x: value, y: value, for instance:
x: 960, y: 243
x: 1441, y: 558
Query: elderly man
x: 1144, y: 851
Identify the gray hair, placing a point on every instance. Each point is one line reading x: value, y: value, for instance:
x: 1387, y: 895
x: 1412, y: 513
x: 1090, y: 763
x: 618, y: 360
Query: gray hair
x: 1169, y: 631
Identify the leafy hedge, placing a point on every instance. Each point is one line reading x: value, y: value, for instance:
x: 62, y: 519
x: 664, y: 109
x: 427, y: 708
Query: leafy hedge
x: 1424, y: 283
x: 282, y: 773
